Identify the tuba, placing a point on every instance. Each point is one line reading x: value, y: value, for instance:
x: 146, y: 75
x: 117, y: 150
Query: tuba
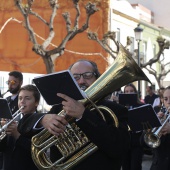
x: 73, y: 144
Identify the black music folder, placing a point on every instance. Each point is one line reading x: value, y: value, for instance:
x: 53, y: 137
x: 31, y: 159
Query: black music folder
x: 5, y: 111
x: 143, y: 118
x: 129, y: 99
x: 60, y: 82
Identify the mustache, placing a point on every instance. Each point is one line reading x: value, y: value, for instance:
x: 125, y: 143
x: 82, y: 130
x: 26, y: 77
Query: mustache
x: 83, y: 87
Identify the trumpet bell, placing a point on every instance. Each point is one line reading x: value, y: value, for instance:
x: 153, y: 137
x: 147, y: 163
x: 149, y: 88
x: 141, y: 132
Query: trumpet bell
x: 152, y: 140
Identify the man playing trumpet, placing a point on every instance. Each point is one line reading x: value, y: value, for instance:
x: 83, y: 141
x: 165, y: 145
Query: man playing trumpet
x: 14, y: 82
x: 28, y: 100
x: 161, y: 158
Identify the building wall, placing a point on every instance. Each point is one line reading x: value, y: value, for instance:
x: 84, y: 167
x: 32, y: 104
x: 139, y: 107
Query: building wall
x: 16, y: 49
x: 160, y: 9
x: 126, y: 22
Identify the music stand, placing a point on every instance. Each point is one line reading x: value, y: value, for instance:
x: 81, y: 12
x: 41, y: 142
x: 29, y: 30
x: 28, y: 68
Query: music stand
x: 143, y: 118
x: 129, y: 99
x: 5, y: 111
x: 60, y: 82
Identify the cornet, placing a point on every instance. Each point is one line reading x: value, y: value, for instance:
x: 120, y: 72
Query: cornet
x: 152, y: 138
x: 4, y: 127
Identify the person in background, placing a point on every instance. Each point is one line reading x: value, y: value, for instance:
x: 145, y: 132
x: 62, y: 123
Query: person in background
x: 21, y: 159
x: 15, y: 80
x: 115, y: 95
x: 112, y: 142
x: 149, y: 99
x: 133, y: 159
x: 161, y: 159
x: 158, y: 102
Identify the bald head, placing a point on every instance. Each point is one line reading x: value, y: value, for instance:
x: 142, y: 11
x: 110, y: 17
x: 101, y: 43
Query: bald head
x: 84, y: 72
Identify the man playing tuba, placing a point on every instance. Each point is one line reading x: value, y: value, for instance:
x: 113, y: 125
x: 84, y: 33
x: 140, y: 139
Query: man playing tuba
x: 112, y: 142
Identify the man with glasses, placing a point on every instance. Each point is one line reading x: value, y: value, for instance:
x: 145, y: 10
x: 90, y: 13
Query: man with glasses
x: 112, y: 142
x: 14, y: 83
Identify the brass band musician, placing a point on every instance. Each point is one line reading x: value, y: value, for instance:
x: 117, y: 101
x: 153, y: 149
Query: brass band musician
x: 133, y: 159
x: 28, y: 100
x: 161, y: 159
x: 15, y: 80
x: 112, y: 142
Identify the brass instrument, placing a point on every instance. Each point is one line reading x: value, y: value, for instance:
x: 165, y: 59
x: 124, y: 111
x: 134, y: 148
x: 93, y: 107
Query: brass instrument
x: 4, y: 127
x: 73, y: 144
x: 5, y: 93
x: 152, y: 138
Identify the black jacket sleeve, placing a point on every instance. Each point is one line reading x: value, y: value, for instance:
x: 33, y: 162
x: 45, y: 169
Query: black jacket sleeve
x: 26, y: 124
x: 114, y: 141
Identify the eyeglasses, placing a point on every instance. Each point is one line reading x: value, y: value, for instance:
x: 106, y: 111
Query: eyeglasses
x: 166, y: 99
x: 86, y: 75
x: 10, y: 82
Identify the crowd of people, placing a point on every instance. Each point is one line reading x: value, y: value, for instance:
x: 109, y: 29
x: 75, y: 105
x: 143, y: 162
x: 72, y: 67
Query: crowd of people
x: 118, y: 147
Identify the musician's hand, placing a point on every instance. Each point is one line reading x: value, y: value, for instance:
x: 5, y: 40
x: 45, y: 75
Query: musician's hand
x: 114, y: 98
x: 72, y: 107
x: 160, y: 115
x: 12, y: 129
x: 54, y: 123
x: 166, y: 129
x: 3, y: 121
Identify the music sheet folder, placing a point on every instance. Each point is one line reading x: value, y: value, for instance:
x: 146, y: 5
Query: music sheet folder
x: 5, y: 111
x: 143, y: 118
x: 129, y: 99
x: 60, y: 82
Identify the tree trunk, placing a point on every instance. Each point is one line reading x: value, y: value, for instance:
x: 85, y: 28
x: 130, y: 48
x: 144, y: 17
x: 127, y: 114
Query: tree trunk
x: 48, y: 63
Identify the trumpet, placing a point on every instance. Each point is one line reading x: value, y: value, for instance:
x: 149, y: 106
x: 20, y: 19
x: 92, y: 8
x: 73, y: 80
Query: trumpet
x: 5, y: 93
x: 4, y: 127
x: 152, y: 138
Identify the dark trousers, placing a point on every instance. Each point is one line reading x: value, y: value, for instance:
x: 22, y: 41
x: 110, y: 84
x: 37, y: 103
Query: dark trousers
x: 133, y: 159
x: 1, y: 160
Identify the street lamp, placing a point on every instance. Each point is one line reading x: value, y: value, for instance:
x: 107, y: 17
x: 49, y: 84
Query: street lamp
x: 138, y: 36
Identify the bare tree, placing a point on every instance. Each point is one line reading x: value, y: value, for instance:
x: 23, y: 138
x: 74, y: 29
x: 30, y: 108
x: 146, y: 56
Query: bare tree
x: 49, y: 56
x: 104, y: 42
x: 163, y: 45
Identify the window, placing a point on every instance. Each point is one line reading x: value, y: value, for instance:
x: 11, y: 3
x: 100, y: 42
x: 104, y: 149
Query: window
x: 154, y: 49
x: 143, y: 51
x: 118, y: 34
x: 131, y: 47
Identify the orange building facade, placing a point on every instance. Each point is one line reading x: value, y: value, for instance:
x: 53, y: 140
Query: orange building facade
x: 16, y: 49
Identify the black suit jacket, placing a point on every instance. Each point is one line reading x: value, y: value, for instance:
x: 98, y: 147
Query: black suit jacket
x: 8, y: 143
x: 150, y: 99
x: 161, y: 159
x: 21, y: 155
x: 112, y: 142
x: 13, y: 104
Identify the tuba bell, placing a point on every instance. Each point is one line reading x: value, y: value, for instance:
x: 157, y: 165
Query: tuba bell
x: 73, y: 144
